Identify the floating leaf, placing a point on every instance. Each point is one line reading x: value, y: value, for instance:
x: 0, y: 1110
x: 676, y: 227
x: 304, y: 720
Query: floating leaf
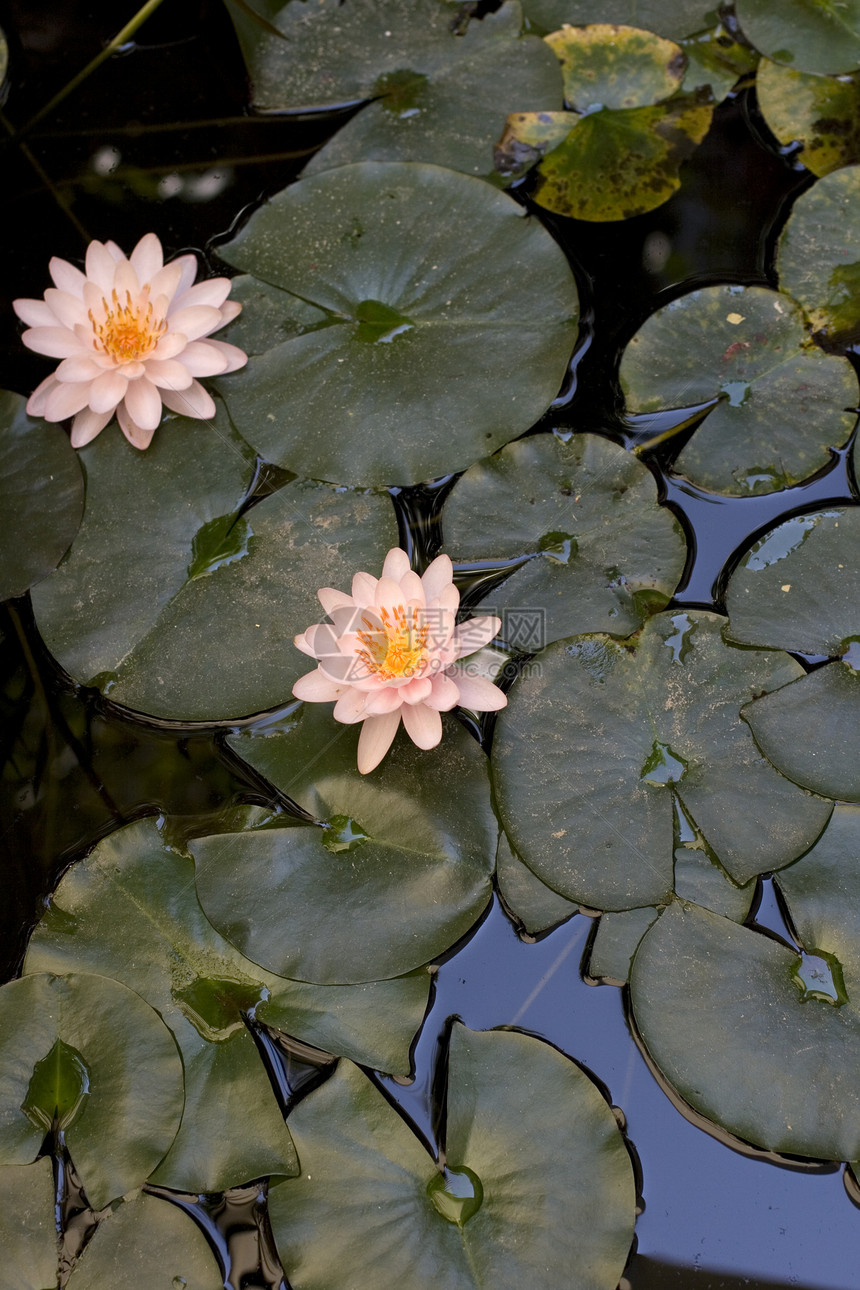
x: 41, y: 496
x: 527, y: 899
x: 819, y: 255
x: 532, y: 1148
x: 28, y: 1235
x: 615, y: 943
x: 781, y: 400
x: 716, y: 59
x: 673, y: 18
x: 799, y: 588
x: 600, y: 737
x: 805, y: 34
x: 598, y: 553
x: 113, y: 1065
x: 616, y: 67
x: 415, y: 880
x: 720, y: 1013
x: 472, y: 358
x: 130, y: 911
x: 198, y: 624
x: 440, y: 93
x: 820, y: 112
x: 154, y: 1240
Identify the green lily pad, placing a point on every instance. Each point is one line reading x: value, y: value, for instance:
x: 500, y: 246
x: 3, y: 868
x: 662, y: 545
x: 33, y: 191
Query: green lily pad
x: 410, y: 874
x: 429, y: 357
x: 532, y: 1149
x: 598, y: 552
x: 197, y: 623
x: 781, y: 400
x: 720, y: 1013
x: 527, y: 899
x: 821, y: 112
x: 805, y: 34
x: 148, y: 1237
x: 440, y: 93
x: 819, y: 256
x: 28, y: 1236
x: 88, y: 1055
x: 130, y: 911
x: 615, y: 942
x: 799, y: 587
x: 672, y: 18
x: 41, y: 496
x: 612, y: 164
x: 614, y: 66
x: 600, y: 737
x: 716, y: 59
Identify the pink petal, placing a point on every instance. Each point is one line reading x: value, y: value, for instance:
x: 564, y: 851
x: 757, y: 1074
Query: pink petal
x: 475, y: 633
x: 39, y: 397
x: 170, y: 345
x: 195, y: 321
x: 230, y: 310
x: 143, y: 403
x: 413, y: 588
x: 35, y: 313
x: 165, y: 283
x: 233, y: 355
x: 477, y: 693
x: 147, y: 257
x: 188, y: 272
x: 135, y: 434
x: 314, y: 687
x: 87, y: 424
x: 203, y: 359
x: 80, y: 367
x: 193, y: 402
x: 56, y: 342
x: 423, y: 725
x: 349, y: 707
x: 212, y: 291
x: 101, y: 266
x: 417, y: 690
x: 396, y: 564
x: 437, y: 576
x: 377, y: 736
x: 385, y: 700
x: 126, y: 284
x: 304, y: 641
x: 331, y: 599
x: 364, y: 588
x: 68, y: 309
x: 449, y: 598
x: 66, y: 276
x: 445, y: 694
x: 388, y: 594
x: 168, y: 373
x: 65, y: 400
x: 107, y: 391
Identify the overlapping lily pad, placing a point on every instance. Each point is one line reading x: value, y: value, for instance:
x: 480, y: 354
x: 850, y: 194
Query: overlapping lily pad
x: 41, y: 496
x: 449, y: 320
x: 402, y: 870
x: 527, y: 899
x: 672, y: 18
x: 715, y: 58
x: 804, y: 34
x: 601, y: 736
x: 196, y: 622
x: 163, y: 1247
x: 727, y: 1018
x: 799, y: 588
x: 538, y: 1185
x: 627, y: 135
x: 87, y: 1056
x: 781, y: 400
x: 598, y: 553
x: 129, y: 911
x: 28, y: 1234
x: 819, y: 255
x: 820, y: 112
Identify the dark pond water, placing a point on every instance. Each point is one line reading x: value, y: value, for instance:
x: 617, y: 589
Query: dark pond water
x: 160, y: 139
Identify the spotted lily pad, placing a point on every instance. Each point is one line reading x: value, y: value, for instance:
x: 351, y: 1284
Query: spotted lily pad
x: 41, y: 496
x: 450, y: 318
x: 578, y: 524
x: 716, y: 59
x: 401, y: 871
x: 611, y: 66
x: 805, y: 34
x: 28, y: 1235
x: 164, y: 1247
x: 532, y: 1148
x: 724, y: 1014
x: 197, y: 623
x: 672, y: 18
x: 601, y: 737
x: 819, y: 255
x: 819, y: 112
x: 780, y: 400
x: 129, y: 911
x: 88, y: 1056
x: 440, y: 89
x: 799, y: 587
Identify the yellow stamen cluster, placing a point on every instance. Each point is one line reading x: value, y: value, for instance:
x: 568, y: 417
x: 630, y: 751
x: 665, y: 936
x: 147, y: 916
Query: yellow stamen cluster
x: 129, y: 330
x: 398, y: 649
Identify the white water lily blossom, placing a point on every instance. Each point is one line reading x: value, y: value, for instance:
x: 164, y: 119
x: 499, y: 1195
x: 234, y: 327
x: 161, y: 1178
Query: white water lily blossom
x: 391, y: 650
x: 133, y: 334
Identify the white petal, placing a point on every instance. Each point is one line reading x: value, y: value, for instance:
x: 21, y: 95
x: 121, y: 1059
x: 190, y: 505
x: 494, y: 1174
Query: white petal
x: 65, y: 400
x: 147, y: 257
x: 423, y: 725
x: 377, y: 736
x: 477, y: 693
x: 396, y: 564
x: 475, y: 632
x: 445, y: 694
x: 193, y: 402
x: 350, y: 707
x: 169, y: 373
x: 195, y: 321
x: 384, y: 700
x: 56, y: 342
x: 436, y: 576
x: 314, y: 687
x: 66, y: 276
x: 35, y: 313
x: 107, y: 391
x: 143, y: 403
x: 135, y: 434
x: 87, y: 424
x: 203, y: 359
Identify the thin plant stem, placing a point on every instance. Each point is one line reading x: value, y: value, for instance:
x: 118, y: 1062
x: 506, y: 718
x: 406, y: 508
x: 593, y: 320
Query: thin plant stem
x: 46, y: 179
x: 144, y: 12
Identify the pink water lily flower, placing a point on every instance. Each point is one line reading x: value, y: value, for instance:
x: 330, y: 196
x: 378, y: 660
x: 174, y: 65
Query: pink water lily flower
x: 133, y: 334
x: 391, y: 651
